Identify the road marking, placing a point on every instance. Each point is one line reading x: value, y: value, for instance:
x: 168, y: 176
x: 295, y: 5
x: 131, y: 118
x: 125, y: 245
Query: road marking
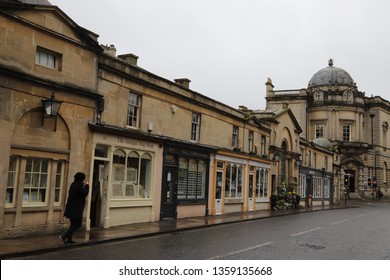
x: 360, y: 216
x: 307, y: 231
x: 239, y: 251
x: 339, y: 222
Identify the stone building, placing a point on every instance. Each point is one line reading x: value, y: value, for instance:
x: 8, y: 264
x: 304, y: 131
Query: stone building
x: 151, y: 148
x: 335, y: 114
x: 48, y: 95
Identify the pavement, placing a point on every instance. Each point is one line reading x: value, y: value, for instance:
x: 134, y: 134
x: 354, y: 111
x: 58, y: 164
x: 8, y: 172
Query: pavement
x: 43, y: 243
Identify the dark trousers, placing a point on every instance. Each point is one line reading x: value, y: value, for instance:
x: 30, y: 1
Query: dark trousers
x: 74, y: 225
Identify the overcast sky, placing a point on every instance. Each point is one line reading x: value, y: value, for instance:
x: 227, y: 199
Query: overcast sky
x: 228, y: 48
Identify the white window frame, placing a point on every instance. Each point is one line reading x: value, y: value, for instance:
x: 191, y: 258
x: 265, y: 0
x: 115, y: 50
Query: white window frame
x: 133, y: 110
x: 48, y: 58
x: 35, y: 184
x: 195, y: 127
x: 347, y: 129
x: 251, y: 136
x: 235, y: 136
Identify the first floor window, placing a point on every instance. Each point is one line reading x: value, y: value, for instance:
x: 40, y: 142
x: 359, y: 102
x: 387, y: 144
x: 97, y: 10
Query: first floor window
x: 191, y: 179
x: 263, y: 145
x: 250, y: 140
x: 133, y: 111
x: 235, y: 137
x: 233, y: 180
x: 195, y: 127
x: 346, y: 132
x: 319, y: 131
x: 48, y: 58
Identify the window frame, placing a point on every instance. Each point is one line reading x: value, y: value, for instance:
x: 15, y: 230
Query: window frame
x: 43, y: 57
x: 235, y: 133
x: 29, y: 199
x: 134, y: 110
x: 251, y: 136
x: 347, y: 129
x: 195, y: 127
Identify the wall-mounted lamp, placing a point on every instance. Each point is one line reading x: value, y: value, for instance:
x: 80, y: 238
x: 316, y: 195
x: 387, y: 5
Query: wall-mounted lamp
x: 51, y: 106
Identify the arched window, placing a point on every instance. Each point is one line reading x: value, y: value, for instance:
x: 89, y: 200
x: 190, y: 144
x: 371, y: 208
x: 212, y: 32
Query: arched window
x: 131, y: 175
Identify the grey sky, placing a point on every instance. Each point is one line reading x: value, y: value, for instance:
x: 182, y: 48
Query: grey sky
x: 228, y: 48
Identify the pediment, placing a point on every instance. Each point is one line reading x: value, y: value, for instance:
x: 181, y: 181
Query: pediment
x: 53, y: 20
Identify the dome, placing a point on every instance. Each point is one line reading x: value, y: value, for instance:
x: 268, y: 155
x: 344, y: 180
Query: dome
x: 331, y: 76
x: 323, y: 142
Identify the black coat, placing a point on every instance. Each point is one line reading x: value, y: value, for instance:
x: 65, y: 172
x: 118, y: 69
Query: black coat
x: 76, y: 200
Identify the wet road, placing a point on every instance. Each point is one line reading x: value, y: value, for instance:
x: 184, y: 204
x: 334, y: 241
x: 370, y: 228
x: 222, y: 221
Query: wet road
x: 342, y: 234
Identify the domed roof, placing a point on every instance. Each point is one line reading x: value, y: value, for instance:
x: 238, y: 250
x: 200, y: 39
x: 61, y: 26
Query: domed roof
x: 331, y: 76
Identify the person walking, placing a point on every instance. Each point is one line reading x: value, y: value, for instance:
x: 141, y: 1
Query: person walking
x: 75, y: 206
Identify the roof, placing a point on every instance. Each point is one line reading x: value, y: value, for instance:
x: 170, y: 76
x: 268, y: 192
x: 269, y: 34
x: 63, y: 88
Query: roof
x: 35, y: 2
x: 331, y: 76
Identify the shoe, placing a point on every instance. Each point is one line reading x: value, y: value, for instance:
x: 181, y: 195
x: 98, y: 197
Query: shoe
x: 63, y: 239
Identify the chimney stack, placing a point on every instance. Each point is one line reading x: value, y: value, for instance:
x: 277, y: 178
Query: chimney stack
x: 129, y: 58
x: 110, y: 50
x: 184, y: 82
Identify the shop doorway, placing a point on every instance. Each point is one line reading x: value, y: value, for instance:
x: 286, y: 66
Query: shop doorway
x: 218, y: 193
x: 349, y: 181
x: 97, y: 190
x: 251, y: 201
x: 169, y: 193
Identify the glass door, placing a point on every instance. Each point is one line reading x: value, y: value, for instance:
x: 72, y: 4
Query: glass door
x: 218, y: 192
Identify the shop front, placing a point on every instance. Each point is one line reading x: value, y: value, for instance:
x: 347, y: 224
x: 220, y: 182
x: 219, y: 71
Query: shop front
x: 185, y: 180
x: 126, y: 179
x: 241, y: 184
x: 316, y: 185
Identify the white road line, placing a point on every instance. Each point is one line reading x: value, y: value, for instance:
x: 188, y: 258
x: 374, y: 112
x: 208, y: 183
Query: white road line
x: 360, y: 216
x: 307, y: 231
x: 240, y: 251
x: 339, y: 222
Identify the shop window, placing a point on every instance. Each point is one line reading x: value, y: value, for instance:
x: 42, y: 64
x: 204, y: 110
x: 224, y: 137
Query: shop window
x: 317, y: 187
x: 191, y: 179
x: 12, y: 181
x: 132, y: 175
x: 233, y: 182
x: 262, y: 183
x: 36, y: 181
